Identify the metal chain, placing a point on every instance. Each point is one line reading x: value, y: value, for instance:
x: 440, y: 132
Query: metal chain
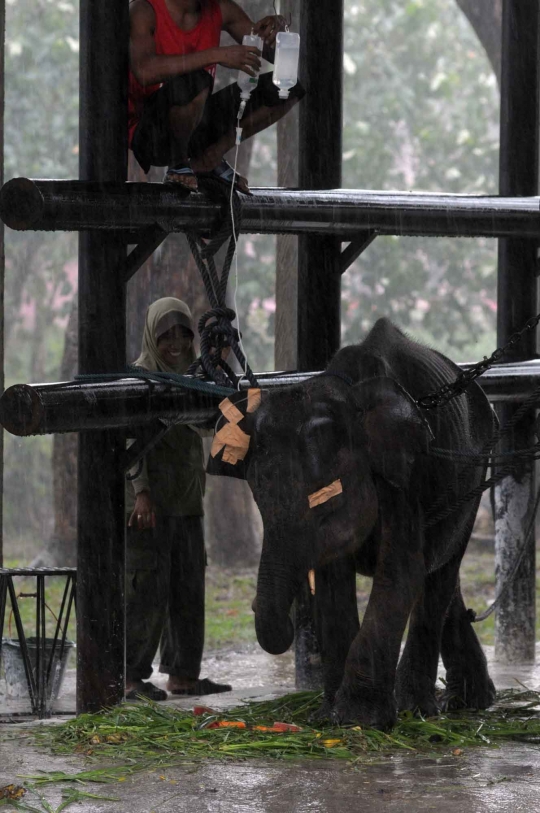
x: 436, y: 512
x: 452, y: 390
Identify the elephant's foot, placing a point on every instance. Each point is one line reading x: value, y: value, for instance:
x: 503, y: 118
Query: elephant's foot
x: 323, y: 713
x: 416, y: 692
x: 467, y: 690
x: 365, y: 708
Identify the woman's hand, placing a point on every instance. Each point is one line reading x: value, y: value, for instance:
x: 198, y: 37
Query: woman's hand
x: 143, y: 515
x: 268, y: 28
x: 245, y: 58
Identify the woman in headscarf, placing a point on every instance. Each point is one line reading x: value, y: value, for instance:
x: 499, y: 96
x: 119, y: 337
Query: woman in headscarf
x: 165, y: 557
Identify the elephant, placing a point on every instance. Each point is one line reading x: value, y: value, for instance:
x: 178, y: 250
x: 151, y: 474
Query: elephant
x: 341, y: 470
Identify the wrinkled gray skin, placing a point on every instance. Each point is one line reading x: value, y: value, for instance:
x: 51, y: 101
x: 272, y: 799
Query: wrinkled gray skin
x: 373, y: 438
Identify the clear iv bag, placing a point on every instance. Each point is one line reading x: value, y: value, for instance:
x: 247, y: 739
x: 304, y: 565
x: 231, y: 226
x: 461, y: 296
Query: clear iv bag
x: 286, y: 62
x: 245, y: 81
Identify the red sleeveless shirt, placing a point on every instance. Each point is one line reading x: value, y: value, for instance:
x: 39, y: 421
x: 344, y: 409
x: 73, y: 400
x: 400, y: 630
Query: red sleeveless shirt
x: 171, y: 40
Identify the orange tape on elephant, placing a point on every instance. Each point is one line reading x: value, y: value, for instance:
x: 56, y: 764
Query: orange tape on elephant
x: 234, y: 442
x: 325, y: 494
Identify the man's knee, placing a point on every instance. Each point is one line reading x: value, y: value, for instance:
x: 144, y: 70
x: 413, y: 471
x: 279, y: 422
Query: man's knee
x: 186, y: 89
x: 196, y: 104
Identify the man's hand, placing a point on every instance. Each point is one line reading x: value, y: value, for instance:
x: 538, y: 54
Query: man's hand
x: 240, y: 57
x: 269, y: 27
x: 143, y: 515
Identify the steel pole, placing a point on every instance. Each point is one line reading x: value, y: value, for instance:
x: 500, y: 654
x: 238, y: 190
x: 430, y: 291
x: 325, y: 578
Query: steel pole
x: 517, y: 302
x: 104, y: 31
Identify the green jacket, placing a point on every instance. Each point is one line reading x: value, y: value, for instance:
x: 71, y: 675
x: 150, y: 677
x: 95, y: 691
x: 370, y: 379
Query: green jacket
x: 173, y: 473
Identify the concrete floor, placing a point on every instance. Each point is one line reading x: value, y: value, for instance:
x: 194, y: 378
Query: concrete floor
x: 478, y: 781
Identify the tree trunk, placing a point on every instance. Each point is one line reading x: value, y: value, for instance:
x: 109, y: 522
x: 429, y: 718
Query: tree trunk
x: 485, y: 16
x: 61, y: 549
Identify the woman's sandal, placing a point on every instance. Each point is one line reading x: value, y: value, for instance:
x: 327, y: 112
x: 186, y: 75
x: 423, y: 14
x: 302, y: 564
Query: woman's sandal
x: 148, y: 691
x: 182, y: 175
x: 200, y: 687
x: 226, y: 173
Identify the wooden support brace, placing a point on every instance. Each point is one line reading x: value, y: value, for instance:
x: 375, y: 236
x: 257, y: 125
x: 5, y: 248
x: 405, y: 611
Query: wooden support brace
x: 146, y: 438
x: 148, y: 242
x: 355, y: 248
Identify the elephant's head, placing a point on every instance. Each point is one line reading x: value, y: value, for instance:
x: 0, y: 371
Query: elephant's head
x: 302, y: 440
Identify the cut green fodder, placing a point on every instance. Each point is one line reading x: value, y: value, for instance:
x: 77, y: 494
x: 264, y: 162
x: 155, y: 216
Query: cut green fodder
x: 149, y: 735
x: 32, y: 801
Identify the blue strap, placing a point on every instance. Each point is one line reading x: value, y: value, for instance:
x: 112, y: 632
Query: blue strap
x: 172, y: 379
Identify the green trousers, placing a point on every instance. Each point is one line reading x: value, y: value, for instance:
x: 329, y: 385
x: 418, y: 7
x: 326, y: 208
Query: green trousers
x: 165, y: 569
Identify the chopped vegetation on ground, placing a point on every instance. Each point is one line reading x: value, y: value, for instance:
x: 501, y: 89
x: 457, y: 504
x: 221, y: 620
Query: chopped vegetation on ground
x: 148, y: 735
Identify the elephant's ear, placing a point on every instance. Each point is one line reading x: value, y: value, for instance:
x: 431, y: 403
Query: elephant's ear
x: 397, y: 432
x: 230, y: 452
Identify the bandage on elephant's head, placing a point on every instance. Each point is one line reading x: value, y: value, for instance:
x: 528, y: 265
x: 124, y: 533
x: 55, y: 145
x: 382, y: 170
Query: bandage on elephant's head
x: 230, y: 451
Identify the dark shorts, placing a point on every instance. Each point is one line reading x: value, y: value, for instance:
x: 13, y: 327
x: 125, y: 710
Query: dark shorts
x: 152, y: 142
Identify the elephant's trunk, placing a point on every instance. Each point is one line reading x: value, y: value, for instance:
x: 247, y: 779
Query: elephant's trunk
x: 277, y: 586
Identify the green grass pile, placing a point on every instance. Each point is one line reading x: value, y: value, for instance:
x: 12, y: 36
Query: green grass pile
x: 150, y: 735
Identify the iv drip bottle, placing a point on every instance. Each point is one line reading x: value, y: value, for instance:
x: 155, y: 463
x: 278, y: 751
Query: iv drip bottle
x: 245, y: 81
x: 286, y: 62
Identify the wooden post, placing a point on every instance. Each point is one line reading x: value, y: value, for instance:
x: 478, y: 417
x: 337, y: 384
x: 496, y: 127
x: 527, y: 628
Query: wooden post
x: 319, y: 275
x: 101, y: 519
x: 2, y: 265
x: 517, y: 302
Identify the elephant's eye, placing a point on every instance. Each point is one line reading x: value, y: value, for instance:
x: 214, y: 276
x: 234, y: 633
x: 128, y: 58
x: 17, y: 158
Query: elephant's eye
x: 318, y: 432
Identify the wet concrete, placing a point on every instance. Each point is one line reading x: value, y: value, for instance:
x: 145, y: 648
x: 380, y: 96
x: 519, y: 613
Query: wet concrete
x: 477, y: 781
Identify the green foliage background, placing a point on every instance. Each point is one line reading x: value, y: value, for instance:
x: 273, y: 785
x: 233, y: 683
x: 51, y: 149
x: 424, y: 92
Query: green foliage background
x: 421, y: 112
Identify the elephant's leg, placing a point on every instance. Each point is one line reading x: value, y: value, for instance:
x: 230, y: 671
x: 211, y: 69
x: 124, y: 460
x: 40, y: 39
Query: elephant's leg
x: 417, y: 670
x: 366, y: 695
x: 336, y: 620
x: 468, y: 684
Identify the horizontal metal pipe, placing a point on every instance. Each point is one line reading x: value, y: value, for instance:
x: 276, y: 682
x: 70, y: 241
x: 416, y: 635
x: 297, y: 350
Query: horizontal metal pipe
x: 39, y: 409
x: 80, y: 205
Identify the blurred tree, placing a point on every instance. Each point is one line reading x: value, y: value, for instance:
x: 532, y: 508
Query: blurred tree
x: 41, y: 140
x: 421, y: 113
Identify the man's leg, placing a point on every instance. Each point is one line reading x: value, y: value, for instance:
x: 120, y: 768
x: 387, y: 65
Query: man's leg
x: 216, y: 133
x: 169, y: 118
x: 183, y: 121
x: 252, y: 123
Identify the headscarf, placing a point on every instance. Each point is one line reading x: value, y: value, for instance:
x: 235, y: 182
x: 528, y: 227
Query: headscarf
x: 160, y: 317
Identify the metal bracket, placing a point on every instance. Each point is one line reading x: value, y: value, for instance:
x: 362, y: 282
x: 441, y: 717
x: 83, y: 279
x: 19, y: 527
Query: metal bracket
x: 145, y: 440
x: 355, y: 248
x: 147, y: 243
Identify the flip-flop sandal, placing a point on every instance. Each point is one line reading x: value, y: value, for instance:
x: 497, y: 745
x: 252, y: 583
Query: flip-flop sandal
x: 226, y: 173
x: 204, y: 686
x: 179, y: 174
x: 147, y: 691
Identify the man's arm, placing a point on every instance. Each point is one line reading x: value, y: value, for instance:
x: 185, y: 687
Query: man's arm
x: 151, y: 68
x: 237, y: 23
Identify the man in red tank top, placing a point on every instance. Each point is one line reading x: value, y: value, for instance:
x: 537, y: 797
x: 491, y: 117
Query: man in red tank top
x: 174, y: 119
